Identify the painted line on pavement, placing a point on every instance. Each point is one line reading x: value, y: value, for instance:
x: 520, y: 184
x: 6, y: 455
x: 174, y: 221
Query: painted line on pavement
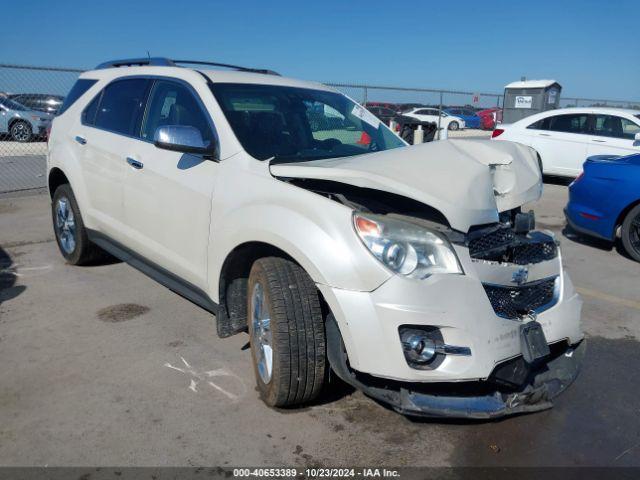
x: 587, y: 292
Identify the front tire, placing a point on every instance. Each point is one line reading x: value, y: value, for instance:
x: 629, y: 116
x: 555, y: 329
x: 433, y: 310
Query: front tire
x: 71, y: 235
x: 631, y: 233
x: 21, y: 132
x: 287, y: 333
x: 453, y: 126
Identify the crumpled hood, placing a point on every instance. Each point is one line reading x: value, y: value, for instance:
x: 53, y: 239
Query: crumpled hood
x: 468, y: 181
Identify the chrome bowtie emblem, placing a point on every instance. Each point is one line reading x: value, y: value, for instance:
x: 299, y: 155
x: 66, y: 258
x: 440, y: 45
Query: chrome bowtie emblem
x: 520, y: 276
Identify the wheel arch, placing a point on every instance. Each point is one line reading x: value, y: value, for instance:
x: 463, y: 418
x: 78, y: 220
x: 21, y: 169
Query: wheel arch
x: 56, y: 178
x: 231, y: 317
x: 623, y: 214
x: 15, y: 120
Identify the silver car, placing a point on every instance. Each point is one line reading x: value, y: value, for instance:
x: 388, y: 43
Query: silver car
x: 21, y: 123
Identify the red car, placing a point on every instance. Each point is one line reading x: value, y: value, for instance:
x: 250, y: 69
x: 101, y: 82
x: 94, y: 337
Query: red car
x: 489, y: 118
x: 391, y: 106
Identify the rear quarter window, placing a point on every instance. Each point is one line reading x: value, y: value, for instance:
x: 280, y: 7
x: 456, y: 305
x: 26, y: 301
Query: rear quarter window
x: 78, y: 89
x: 542, y: 124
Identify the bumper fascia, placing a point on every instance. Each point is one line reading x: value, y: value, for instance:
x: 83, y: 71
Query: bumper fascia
x: 595, y: 228
x: 456, y: 304
x: 551, y: 380
x: 545, y: 381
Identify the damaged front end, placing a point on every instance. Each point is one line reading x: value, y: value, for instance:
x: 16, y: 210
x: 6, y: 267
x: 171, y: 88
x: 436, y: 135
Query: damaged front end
x: 503, y: 332
x: 514, y: 387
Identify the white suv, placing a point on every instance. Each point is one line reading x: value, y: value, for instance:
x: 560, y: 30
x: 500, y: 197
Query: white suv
x: 292, y: 213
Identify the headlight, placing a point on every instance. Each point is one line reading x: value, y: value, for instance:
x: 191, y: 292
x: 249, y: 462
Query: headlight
x: 406, y: 248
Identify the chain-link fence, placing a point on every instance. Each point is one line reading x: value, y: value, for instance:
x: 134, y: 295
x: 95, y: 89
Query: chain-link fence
x: 29, y: 99
x: 30, y: 96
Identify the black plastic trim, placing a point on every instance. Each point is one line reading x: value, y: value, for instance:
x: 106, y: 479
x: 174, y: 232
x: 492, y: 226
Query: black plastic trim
x: 154, y: 271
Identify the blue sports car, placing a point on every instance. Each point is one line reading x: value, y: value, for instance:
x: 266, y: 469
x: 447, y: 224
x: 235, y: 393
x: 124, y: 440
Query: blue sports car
x: 471, y: 119
x: 605, y: 197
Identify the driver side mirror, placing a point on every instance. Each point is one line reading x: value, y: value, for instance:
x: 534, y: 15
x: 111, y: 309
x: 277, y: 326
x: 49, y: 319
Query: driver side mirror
x: 636, y: 137
x: 185, y: 139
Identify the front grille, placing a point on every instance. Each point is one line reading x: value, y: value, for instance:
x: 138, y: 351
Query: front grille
x: 514, y: 302
x: 499, y: 238
x: 527, y: 253
x: 504, y: 245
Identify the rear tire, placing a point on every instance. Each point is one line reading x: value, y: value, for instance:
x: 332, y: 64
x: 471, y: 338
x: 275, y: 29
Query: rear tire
x: 287, y: 333
x: 453, y: 126
x: 71, y: 235
x: 631, y: 233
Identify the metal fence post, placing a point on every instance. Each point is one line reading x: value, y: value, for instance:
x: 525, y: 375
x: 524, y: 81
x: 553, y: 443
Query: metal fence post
x: 364, y: 100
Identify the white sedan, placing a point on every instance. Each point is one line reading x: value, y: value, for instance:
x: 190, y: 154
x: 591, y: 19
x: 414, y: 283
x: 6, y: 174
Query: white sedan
x: 564, y: 138
x: 433, y: 114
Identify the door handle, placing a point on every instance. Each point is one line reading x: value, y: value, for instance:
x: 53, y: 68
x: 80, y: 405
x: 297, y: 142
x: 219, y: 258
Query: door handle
x: 599, y: 141
x: 135, y: 163
x: 544, y: 135
x: 81, y: 140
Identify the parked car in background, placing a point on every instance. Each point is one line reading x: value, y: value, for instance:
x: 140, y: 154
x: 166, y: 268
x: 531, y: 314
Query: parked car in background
x: 22, y: 123
x: 405, y: 107
x: 605, y: 200
x: 471, y: 119
x: 448, y: 121
x: 384, y: 114
x: 390, y: 106
x: 564, y: 138
x: 489, y: 118
x: 41, y: 102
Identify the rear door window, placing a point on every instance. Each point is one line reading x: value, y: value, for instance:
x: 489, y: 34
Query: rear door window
x: 122, y: 105
x: 571, y: 123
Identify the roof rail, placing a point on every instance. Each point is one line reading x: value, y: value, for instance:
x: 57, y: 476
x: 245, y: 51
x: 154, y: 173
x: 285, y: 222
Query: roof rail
x: 226, y: 65
x: 129, y: 62
x: 167, y: 62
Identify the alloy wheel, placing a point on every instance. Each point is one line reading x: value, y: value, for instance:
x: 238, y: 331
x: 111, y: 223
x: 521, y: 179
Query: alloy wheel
x: 262, y: 338
x: 21, y: 132
x: 634, y: 234
x: 65, y: 225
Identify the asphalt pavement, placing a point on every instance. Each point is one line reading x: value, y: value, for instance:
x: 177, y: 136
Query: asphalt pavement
x: 102, y: 366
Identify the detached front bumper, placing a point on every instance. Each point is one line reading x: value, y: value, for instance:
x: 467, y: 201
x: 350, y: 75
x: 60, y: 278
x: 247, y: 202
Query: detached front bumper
x: 545, y: 383
x: 514, y: 387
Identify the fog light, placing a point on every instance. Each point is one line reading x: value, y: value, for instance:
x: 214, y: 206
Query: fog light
x: 418, y: 347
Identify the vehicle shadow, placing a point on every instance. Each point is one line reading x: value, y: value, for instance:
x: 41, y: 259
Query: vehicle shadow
x: 554, y: 180
x: 105, y: 259
x: 8, y: 277
x: 594, y: 242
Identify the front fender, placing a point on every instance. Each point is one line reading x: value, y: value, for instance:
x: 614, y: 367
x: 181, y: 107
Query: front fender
x: 315, y: 231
